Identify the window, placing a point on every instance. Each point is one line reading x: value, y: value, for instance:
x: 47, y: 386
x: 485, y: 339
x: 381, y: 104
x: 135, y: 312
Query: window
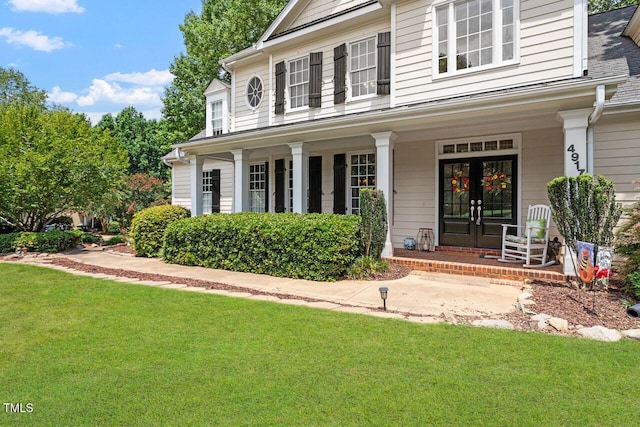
x: 254, y: 92
x: 363, y: 175
x: 207, y: 193
x: 475, y: 33
x: 257, y: 187
x: 362, y: 56
x: 216, y: 117
x: 299, y: 82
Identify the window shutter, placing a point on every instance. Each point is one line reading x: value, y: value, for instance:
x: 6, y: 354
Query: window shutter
x: 215, y: 190
x: 340, y: 72
x: 315, y: 79
x: 315, y: 184
x: 279, y: 184
x: 384, y: 64
x: 281, y: 82
x: 339, y: 184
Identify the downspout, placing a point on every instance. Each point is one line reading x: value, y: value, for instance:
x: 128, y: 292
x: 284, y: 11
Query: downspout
x: 593, y: 118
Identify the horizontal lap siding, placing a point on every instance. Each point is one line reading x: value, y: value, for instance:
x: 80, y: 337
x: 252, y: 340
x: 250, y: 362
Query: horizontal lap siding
x: 617, y: 156
x: 181, y: 185
x: 245, y: 117
x: 226, y: 182
x: 546, y: 52
x: 322, y: 8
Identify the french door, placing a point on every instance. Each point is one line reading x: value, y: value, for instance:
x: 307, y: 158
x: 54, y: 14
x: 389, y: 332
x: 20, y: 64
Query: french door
x: 477, y: 196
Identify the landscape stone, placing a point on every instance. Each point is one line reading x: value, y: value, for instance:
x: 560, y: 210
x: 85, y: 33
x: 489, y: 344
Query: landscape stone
x: 600, y: 333
x: 493, y: 323
x: 542, y: 319
x: 559, y: 324
x: 524, y: 296
x: 632, y: 333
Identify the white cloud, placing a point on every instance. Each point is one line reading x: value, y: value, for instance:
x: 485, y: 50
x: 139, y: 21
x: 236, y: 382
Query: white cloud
x: 59, y: 97
x: 152, y: 77
x: 47, y: 6
x: 104, y: 91
x: 33, y: 39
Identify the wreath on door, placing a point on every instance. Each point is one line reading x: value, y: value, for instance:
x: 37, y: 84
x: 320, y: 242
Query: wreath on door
x: 459, y: 183
x: 496, y: 182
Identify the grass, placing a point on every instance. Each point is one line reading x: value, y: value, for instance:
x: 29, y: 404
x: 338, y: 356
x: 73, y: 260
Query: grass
x: 94, y: 352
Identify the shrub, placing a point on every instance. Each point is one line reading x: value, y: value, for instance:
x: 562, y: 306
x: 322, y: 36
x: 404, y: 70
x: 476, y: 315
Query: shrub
x: 634, y: 284
x: 366, y: 267
x: 309, y: 246
x: 628, y: 240
x: 90, y: 238
x: 584, y: 209
x: 113, y: 227
x: 148, y: 227
x: 373, y: 210
x: 50, y: 241
x: 115, y: 240
x: 8, y: 242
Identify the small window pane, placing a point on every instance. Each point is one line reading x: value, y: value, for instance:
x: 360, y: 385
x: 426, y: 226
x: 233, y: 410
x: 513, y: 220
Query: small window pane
x: 449, y: 148
x: 491, y: 145
x: 462, y: 148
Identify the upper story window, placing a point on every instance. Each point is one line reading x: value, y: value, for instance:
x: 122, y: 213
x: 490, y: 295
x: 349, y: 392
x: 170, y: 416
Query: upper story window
x: 475, y: 33
x: 363, y: 80
x: 254, y: 92
x: 216, y: 117
x: 299, y: 82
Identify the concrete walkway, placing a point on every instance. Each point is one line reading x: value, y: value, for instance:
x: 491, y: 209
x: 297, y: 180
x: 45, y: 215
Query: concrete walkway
x: 420, y: 297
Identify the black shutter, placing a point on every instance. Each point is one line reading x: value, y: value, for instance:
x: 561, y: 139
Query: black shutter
x: 279, y: 184
x: 215, y: 190
x: 315, y: 184
x: 315, y: 79
x: 266, y: 187
x: 339, y: 183
x: 384, y: 63
x: 281, y: 82
x: 339, y: 73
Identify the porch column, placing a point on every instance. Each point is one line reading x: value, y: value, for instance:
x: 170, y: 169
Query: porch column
x: 240, y: 180
x: 574, y: 125
x: 195, y: 164
x: 300, y: 174
x: 384, y: 178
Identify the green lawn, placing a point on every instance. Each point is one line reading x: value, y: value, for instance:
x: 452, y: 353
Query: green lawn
x: 94, y: 352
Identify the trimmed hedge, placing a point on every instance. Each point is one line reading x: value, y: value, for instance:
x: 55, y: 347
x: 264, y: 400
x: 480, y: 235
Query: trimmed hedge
x: 50, y: 241
x: 309, y: 246
x: 148, y: 226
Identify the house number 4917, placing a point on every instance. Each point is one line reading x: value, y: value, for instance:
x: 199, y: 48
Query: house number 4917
x: 575, y: 158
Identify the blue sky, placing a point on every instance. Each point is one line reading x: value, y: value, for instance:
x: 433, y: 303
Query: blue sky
x: 95, y: 56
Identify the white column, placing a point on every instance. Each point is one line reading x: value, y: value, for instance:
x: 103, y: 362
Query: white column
x: 384, y: 178
x: 240, y: 180
x: 574, y: 125
x: 300, y: 174
x: 195, y: 163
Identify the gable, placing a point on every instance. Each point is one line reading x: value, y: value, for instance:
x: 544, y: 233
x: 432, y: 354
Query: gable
x: 312, y: 10
x: 216, y: 86
x: 633, y: 28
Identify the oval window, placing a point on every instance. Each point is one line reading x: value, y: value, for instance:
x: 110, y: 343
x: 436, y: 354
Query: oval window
x: 254, y: 92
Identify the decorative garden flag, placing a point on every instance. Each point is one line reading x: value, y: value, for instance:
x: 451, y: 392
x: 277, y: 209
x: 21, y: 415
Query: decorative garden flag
x: 602, y: 269
x: 586, y: 266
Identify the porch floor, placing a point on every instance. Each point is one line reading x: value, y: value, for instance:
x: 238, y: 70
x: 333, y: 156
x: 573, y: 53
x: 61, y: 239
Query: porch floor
x: 472, y: 262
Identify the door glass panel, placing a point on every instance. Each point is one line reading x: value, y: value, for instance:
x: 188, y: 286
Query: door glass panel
x: 497, y: 189
x: 456, y: 189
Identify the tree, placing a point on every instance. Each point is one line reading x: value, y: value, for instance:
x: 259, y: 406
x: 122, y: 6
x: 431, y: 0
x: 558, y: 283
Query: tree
x: 597, y: 6
x: 223, y: 28
x: 15, y: 87
x: 52, y: 161
x: 584, y: 209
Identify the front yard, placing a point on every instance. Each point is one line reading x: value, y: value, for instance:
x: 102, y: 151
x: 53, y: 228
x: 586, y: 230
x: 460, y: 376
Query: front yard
x: 93, y: 352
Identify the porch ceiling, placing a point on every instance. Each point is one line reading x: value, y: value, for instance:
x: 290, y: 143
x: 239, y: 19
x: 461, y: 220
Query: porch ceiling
x: 533, y: 106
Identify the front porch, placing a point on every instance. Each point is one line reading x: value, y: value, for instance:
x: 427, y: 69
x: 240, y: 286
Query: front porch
x: 473, y: 262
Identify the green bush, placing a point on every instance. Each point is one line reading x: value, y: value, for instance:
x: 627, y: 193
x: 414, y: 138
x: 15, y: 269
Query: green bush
x: 115, y: 240
x: 373, y: 210
x: 90, y: 238
x: 50, y: 241
x: 634, y: 284
x: 113, y: 227
x: 309, y: 246
x: 628, y: 240
x: 366, y: 267
x: 148, y: 226
x: 8, y: 242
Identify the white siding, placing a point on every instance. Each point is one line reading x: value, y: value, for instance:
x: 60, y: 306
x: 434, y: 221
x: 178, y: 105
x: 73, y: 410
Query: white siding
x: 246, y: 117
x: 323, y: 8
x: 617, y: 156
x: 546, y: 52
x: 181, y: 185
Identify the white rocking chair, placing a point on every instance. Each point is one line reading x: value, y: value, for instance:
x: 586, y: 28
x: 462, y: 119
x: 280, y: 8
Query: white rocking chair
x: 529, y: 244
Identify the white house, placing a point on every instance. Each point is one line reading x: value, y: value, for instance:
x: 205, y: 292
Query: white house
x: 428, y: 101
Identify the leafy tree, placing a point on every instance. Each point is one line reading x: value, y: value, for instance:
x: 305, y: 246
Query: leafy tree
x: 15, y: 87
x: 584, y: 209
x: 597, y: 6
x: 223, y: 28
x: 52, y: 161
